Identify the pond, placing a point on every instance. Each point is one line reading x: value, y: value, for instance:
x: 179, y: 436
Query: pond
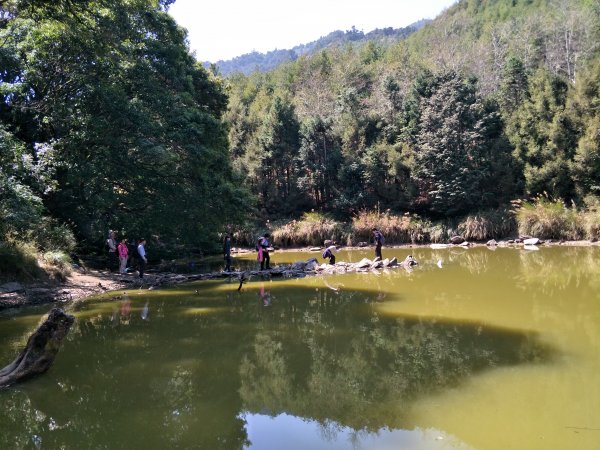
x: 473, y: 349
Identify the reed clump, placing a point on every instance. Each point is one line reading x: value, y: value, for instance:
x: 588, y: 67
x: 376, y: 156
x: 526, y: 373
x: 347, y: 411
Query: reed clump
x: 397, y: 229
x: 548, y: 218
x: 488, y: 224
x: 312, y: 229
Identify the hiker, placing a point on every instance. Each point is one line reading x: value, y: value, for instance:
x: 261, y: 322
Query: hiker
x: 379, y: 240
x: 329, y: 253
x: 111, y: 245
x: 263, y: 251
x: 141, y: 251
x: 227, y: 252
x: 123, y: 256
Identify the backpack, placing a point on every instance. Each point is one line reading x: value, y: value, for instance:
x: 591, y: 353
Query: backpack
x: 379, y: 238
x: 326, y: 253
x: 258, y: 243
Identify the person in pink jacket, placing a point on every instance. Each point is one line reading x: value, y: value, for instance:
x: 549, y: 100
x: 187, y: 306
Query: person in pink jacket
x: 123, y: 256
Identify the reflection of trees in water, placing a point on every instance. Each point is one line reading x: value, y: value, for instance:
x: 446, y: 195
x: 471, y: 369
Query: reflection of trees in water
x: 114, y: 398
x: 183, y: 381
x: 364, y: 373
x: 558, y: 269
x: 17, y: 412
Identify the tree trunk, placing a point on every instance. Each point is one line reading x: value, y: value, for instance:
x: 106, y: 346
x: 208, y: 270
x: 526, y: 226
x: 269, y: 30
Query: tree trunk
x: 42, y: 346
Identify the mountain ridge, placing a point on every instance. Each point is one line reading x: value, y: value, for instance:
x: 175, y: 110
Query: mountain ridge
x: 265, y: 62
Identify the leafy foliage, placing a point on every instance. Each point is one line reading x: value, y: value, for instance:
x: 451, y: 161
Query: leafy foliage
x: 107, y: 96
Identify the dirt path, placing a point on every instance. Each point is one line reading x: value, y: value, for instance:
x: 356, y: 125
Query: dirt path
x: 77, y: 286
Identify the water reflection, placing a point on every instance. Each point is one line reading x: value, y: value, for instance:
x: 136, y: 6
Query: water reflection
x: 267, y: 432
x: 363, y: 373
x: 193, y: 380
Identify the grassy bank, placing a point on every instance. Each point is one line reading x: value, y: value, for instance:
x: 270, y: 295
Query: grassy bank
x: 542, y: 218
x: 23, y: 261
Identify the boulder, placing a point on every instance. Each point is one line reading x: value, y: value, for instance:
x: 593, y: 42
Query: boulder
x: 377, y: 264
x: 362, y: 244
x: 457, y: 240
x: 491, y: 243
x: 311, y: 265
x: 363, y: 263
x: 531, y: 241
x: 393, y: 262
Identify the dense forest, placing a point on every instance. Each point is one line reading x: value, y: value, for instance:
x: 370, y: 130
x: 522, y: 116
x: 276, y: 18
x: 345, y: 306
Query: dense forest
x: 108, y: 122
x: 492, y: 101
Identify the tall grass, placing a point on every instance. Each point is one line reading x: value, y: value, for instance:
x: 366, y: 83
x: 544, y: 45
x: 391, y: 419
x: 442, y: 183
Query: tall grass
x: 546, y: 218
x: 489, y: 224
x: 312, y: 229
x: 18, y: 261
x: 404, y: 229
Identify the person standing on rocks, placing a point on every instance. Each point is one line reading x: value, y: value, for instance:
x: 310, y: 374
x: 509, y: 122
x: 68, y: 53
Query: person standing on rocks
x: 263, y: 243
x: 141, y: 250
x: 378, y: 239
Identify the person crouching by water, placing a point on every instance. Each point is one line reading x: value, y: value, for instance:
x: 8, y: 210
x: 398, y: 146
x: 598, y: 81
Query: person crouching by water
x: 227, y: 252
x: 263, y: 252
x: 141, y: 250
x: 123, y: 256
x: 329, y: 253
x: 378, y: 239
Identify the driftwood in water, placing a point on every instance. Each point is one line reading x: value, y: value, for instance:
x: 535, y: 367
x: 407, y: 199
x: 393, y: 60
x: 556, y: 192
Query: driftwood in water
x: 41, y: 348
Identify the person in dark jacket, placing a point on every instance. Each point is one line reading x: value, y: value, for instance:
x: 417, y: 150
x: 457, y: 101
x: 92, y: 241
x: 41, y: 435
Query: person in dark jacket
x: 227, y: 252
x: 264, y: 245
x: 328, y: 253
x: 378, y: 239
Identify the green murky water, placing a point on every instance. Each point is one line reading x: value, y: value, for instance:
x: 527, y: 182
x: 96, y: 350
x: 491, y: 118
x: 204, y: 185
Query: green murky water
x: 473, y: 349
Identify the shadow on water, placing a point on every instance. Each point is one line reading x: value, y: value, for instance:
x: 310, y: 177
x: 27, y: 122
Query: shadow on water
x: 183, y: 371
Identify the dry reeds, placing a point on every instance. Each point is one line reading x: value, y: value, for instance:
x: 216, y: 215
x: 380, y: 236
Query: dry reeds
x: 313, y: 229
x: 546, y: 218
x: 402, y: 229
x: 489, y: 224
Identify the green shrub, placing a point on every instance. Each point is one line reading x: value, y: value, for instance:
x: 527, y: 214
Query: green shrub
x: 59, y: 264
x: 51, y: 235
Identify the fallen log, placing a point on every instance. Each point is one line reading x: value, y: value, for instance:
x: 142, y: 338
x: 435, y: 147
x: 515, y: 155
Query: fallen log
x: 41, y: 349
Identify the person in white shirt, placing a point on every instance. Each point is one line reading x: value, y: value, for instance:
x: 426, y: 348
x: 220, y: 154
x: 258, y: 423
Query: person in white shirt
x: 141, y: 249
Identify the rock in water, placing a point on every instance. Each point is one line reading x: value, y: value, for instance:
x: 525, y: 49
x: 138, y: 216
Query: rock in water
x: 41, y: 349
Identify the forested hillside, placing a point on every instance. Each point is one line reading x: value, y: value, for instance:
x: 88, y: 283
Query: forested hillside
x: 264, y: 62
x: 494, y: 100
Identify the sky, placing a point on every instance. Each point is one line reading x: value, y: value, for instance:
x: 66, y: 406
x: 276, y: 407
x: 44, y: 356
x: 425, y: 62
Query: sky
x: 224, y: 29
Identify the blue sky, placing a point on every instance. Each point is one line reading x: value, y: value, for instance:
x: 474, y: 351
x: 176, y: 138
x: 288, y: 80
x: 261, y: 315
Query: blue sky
x: 223, y: 29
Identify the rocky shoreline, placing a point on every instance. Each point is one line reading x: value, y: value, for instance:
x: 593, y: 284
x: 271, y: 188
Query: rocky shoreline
x: 82, y: 284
